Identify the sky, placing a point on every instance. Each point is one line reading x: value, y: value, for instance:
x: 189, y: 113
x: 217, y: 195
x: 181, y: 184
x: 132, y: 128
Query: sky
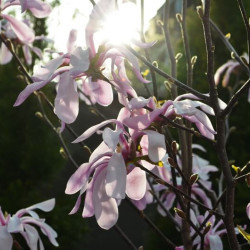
x: 73, y: 14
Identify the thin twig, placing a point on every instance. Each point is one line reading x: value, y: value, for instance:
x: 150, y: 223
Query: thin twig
x: 167, y: 76
x: 125, y: 237
x: 235, y: 99
x: 151, y: 223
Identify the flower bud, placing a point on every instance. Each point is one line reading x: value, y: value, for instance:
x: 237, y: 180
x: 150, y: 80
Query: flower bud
x: 39, y: 115
x: 193, y: 60
x: 180, y: 213
x: 207, y: 228
x: 178, y: 57
x: 179, y: 17
x: 193, y: 178
x: 199, y: 10
x: 63, y: 153
x: 171, y: 162
x: 174, y: 147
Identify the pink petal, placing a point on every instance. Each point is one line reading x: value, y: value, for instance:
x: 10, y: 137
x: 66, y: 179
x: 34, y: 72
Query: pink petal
x: 106, y: 210
x: 93, y: 130
x: 136, y: 184
x: 88, y: 210
x: 5, y: 54
x: 23, y: 32
x: 79, y: 179
x: 215, y: 242
x: 156, y: 145
x: 116, y: 177
x: 66, y: 101
x: 6, y: 240
x: 38, y: 8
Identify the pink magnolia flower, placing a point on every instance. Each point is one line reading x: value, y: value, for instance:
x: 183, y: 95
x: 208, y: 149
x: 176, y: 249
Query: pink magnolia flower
x: 212, y: 239
x: 192, y: 110
x: 25, y: 222
x: 28, y: 48
x: 230, y: 67
x: 114, y: 170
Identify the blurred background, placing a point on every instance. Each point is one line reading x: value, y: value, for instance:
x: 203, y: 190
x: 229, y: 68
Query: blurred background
x: 32, y: 169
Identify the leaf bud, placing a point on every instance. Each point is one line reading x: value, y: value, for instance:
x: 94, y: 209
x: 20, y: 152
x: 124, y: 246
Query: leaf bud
x: 155, y: 63
x: 207, y: 228
x: 178, y: 57
x: 193, y: 178
x: 63, y: 153
x: 193, y: 60
x: 174, y: 147
x: 171, y: 162
x: 180, y: 213
x: 39, y: 115
x: 199, y: 10
x: 160, y: 23
x: 179, y: 17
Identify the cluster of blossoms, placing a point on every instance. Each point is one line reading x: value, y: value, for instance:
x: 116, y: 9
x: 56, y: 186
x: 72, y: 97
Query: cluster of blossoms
x: 132, y: 143
x: 19, y: 31
x: 25, y: 222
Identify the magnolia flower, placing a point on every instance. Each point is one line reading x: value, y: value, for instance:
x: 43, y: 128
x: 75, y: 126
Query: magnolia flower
x: 25, y: 222
x: 212, y: 239
x: 192, y: 110
x: 232, y: 66
x: 114, y: 172
x: 38, y: 8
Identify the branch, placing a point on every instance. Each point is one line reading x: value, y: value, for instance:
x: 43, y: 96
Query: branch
x: 229, y: 47
x: 235, y: 99
x: 177, y: 190
x: 247, y: 26
x: 167, y: 76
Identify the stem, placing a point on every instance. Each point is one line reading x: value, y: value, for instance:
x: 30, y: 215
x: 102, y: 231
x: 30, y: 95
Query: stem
x: 229, y: 46
x: 166, y: 33
x: 221, y: 138
x: 153, y: 76
x: 125, y: 237
x: 247, y: 26
x: 235, y: 98
x: 177, y: 190
x: 151, y: 223
x: 167, y: 76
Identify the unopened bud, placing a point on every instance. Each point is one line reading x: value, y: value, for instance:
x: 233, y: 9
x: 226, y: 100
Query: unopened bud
x: 140, y: 248
x: 236, y: 169
x: 178, y: 57
x: 155, y: 63
x: 39, y: 115
x: 179, y: 17
x: 228, y: 36
x: 171, y: 162
x: 199, y: 10
x: 87, y: 149
x: 232, y: 55
x: 193, y: 178
x: 180, y: 213
x: 207, y: 228
x: 160, y: 23
x: 63, y: 153
x: 244, y: 60
x: 174, y: 147
x: 193, y: 60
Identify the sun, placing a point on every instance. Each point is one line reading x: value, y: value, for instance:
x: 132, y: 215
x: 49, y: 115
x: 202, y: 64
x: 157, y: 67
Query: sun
x: 121, y: 26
